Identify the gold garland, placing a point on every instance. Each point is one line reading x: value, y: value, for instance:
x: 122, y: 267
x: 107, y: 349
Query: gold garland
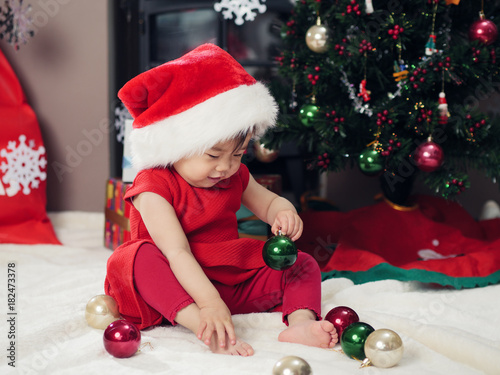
x: 396, y: 206
x: 399, y: 207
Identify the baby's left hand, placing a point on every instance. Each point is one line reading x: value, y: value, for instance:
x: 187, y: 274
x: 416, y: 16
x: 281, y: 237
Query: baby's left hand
x: 289, y: 223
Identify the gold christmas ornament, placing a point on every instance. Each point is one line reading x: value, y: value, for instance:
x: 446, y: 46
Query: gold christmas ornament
x: 317, y: 37
x: 101, y: 311
x: 292, y: 365
x: 263, y: 154
x: 383, y: 348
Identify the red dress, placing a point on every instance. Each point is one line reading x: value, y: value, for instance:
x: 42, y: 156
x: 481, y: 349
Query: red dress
x: 208, y: 217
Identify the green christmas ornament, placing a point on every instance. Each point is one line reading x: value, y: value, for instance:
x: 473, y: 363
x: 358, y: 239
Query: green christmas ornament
x: 279, y: 252
x: 371, y: 162
x: 308, y: 114
x: 353, y: 339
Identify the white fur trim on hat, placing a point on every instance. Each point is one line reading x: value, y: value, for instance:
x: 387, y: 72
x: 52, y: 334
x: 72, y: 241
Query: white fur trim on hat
x: 199, y: 128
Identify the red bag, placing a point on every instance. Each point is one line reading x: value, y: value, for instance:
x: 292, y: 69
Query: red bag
x: 23, y: 162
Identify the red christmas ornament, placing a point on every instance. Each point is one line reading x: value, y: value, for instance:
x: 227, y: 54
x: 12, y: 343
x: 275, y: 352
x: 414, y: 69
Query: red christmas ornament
x: 122, y: 339
x: 429, y: 156
x: 342, y: 317
x: 483, y: 30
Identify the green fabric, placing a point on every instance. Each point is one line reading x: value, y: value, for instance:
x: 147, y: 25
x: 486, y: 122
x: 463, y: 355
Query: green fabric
x: 386, y: 271
x: 254, y: 227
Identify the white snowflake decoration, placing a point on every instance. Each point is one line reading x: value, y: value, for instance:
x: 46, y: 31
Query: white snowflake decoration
x: 240, y: 8
x: 24, y: 164
x: 121, y: 114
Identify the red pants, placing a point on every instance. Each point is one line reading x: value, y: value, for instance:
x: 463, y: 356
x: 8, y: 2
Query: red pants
x: 299, y: 287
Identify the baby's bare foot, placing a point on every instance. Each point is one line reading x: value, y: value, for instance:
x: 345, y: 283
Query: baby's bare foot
x: 240, y: 348
x: 321, y: 334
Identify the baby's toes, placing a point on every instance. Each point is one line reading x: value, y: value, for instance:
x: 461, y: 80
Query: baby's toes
x: 334, y: 339
x: 327, y: 326
x: 244, y: 349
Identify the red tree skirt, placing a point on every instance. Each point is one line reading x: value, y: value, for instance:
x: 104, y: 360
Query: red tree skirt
x: 435, y: 242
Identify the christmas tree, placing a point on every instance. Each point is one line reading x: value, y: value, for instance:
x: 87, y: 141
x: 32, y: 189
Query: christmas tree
x: 392, y: 87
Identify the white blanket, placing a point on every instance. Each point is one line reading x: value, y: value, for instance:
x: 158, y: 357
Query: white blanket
x: 445, y: 331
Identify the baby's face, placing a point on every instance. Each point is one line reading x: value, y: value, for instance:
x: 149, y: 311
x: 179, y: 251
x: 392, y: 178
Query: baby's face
x: 216, y: 164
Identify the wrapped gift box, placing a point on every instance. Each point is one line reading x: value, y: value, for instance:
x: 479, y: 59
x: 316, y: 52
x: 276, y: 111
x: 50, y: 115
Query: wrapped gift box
x: 249, y: 225
x: 271, y: 182
x: 117, y: 225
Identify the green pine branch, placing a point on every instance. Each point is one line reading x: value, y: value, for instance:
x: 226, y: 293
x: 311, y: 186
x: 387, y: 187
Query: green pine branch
x: 387, y: 50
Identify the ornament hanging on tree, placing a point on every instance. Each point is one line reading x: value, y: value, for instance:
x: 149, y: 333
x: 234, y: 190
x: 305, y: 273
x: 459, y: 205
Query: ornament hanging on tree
x: 309, y: 112
x: 483, y: 30
x: 428, y: 156
x: 443, y: 109
x: 263, y: 154
x: 371, y: 162
x: 400, y: 70
x: 430, y: 47
x: 363, y: 92
x: 369, y: 7
x: 383, y: 348
x: 317, y: 37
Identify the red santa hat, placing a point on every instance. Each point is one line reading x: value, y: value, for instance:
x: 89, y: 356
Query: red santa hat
x: 188, y: 105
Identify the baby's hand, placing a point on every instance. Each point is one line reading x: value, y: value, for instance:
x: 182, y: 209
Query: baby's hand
x: 289, y: 223
x: 215, y: 317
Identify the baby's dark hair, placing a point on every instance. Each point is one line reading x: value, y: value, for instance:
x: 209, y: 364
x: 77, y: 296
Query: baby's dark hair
x: 240, y: 138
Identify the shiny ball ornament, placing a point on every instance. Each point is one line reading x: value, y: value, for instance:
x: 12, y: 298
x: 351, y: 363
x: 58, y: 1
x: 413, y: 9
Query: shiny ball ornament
x: 483, y: 31
x: 101, y: 311
x: 428, y: 156
x: 317, y: 37
x: 353, y: 340
x: 122, y: 339
x: 383, y: 348
x: 342, y: 317
x: 279, y: 252
x: 371, y: 162
x: 308, y: 114
x: 263, y: 154
x: 292, y: 365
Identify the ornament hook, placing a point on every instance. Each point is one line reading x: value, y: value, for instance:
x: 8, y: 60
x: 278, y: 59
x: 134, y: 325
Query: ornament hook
x: 365, y: 363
